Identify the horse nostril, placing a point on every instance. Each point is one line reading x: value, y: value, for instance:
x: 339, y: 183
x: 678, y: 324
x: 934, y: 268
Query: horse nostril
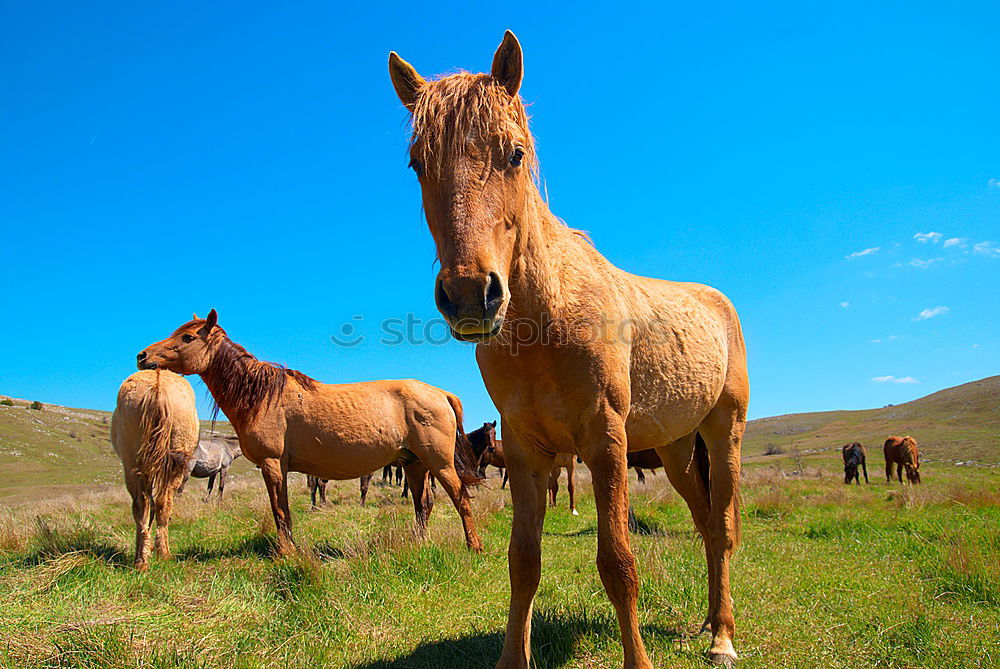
x: 494, y: 291
x: 141, y: 356
x: 444, y: 303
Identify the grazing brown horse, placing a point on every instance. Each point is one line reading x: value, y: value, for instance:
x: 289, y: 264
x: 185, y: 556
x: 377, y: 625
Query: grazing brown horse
x: 154, y: 430
x: 212, y: 459
x: 567, y: 462
x: 288, y: 422
x: 854, y: 457
x: 578, y: 355
x: 493, y: 455
x: 902, y: 452
x: 647, y: 459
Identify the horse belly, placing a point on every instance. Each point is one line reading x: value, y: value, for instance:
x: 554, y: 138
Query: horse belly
x: 346, y: 451
x: 675, y: 381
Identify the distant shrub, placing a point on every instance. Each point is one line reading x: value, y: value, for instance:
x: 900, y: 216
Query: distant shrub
x: 36, y: 405
x: 72, y: 434
x: 773, y: 449
x: 7, y: 402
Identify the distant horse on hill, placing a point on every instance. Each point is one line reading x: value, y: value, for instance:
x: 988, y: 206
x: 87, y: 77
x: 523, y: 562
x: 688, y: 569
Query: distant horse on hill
x: 854, y: 457
x: 903, y: 453
x: 287, y: 421
x: 154, y: 430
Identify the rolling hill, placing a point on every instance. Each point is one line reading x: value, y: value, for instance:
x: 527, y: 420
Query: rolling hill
x: 56, y: 450
x: 959, y: 424
x: 59, y: 450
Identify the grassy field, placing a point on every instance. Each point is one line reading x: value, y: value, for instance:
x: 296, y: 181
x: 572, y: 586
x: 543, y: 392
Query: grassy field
x: 828, y: 576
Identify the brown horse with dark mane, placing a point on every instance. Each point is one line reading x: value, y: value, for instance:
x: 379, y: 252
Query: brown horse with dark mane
x: 648, y: 459
x: 579, y: 356
x: 493, y: 456
x: 904, y: 454
x: 288, y: 422
x: 854, y: 457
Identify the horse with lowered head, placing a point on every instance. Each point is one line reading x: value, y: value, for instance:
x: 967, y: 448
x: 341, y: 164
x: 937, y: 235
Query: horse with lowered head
x: 579, y: 356
x: 902, y: 452
x: 287, y: 421
x: 212, y: 459
x: 154, y: 430
x: 854, y: 457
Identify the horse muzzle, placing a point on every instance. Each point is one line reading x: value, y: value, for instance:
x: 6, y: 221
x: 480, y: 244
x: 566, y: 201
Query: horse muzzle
x: 473, y: 305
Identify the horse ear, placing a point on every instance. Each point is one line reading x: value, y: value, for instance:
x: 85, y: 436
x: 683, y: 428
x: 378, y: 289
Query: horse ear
x: 210, y: 322
x: 508, y: 63
x: 194, y: 316
x: 405, y: 80
x: 494, y: 423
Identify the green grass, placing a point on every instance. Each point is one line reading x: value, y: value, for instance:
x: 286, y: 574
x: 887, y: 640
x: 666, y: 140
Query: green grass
x: 828, y: 576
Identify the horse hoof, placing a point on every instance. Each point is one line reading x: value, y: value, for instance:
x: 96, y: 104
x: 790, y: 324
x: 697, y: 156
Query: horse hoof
x: 575, y: 512
x: 722, y: 652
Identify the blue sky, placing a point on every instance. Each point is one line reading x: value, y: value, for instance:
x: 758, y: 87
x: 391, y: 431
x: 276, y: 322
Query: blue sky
x: 165, y: 158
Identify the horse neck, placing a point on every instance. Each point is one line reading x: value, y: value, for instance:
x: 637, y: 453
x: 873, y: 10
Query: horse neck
x: 535, y: 277
x: 220, y: 375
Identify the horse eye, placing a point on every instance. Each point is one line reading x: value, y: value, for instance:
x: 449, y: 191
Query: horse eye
x: 416, y: 166
x: 187, y: 339
x: 517, y: 157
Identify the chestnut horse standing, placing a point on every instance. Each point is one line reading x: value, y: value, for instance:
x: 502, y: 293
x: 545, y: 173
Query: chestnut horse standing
x: 578, y: 355
x: 288, y: 422
x: 568, y: 462
x: 154, y: 431
x: 902, y: 452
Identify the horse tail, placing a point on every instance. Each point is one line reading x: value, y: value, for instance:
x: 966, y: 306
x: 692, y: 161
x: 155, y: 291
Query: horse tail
x: 703, y: 466
x: 158, y: 461
x: 466, y: 463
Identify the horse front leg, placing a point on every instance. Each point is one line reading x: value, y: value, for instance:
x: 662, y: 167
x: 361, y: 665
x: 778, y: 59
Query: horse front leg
x: 529, y: 475
x: 571, y: 486
x: 276, y: 481
x: 604, y: 449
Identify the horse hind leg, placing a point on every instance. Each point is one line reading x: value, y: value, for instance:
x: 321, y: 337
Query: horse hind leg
x: 143, y: 520
x: 571, y: 486
x: 722, y: 431
x: 416, y: 479
x: 365, y: 481
x: 438, y: 457
x: 682, y: 468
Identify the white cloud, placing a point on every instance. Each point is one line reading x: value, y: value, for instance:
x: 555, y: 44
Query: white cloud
x: 895, y: 379
x: 924, y: 264
x: 924, y: 237
x: 845, y: 304
x: 866, y: 252
x: 955, y: 241
x: 931, y: 313
x: 987, y: 249
x: 995, y: 183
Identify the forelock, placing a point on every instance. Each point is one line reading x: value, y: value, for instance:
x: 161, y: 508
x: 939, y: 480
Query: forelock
x: 450, y: 111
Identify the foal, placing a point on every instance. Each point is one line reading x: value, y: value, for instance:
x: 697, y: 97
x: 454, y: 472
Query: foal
x: 578, y: 355
x: 288, y: 422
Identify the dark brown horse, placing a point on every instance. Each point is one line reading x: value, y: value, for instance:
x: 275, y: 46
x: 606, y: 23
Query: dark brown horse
x: 317, y: 486
x: 854, y: 457
x: 578, y: 355
x: 648, y: 459
x: 493, y: 456
x: 287, y: 421
x: 482, y: 439
x: 903, y: 453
